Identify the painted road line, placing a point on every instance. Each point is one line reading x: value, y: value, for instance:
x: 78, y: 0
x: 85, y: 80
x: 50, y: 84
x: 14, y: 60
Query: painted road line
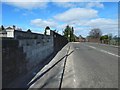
x: 105, y: 44
x: 103, y: 51
x: 109, y: 53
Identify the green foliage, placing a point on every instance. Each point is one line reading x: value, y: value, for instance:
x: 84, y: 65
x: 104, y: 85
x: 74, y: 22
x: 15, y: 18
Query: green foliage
x: 106, y: 38
x: 69, y: 33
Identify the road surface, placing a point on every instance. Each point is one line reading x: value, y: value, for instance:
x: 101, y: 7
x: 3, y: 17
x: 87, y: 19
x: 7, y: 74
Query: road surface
x: 91, y: 66
x: 88, y: 65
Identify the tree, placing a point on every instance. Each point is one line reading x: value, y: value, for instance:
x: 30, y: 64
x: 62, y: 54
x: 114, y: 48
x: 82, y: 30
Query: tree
x: 2, y: 27
x: 69, y: 33
x: 72, y: 36
x: 95, y: 33
x: 104, y: 39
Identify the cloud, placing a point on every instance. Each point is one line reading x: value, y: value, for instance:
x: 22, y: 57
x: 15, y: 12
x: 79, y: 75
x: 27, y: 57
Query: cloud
x: 79, y: 4
x: 84, y: 31
x: 33, y: 4
x: 65, y: 4
x: 102, y: 22
x: 76, y: 14
x: 83, y: 27
x: 25, y: 0
x: 95, y: 4
x: 106, y: 25
x: 84, y: 0
x: 67, y: 0
x: 43, y: 23
x: 60, y: 0
x: 26, y: 4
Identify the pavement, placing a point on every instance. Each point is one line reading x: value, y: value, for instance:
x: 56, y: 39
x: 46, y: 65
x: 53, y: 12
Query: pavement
x: 88, y: 65
x: 91, y: 65
x: 50, y: 75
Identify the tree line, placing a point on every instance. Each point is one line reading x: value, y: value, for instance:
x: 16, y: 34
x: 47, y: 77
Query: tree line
x: 96, y: 33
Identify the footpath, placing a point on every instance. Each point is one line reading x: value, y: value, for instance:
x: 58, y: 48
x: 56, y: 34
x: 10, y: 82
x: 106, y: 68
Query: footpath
x: 42, y: 72
x: 52, y: 75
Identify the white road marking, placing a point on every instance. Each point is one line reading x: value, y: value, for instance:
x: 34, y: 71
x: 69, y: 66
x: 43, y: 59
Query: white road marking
x: 92, y: 47
x: 109, y: 53
x: 103, y: 51
x: 105, y: 44
x: 77, y: 48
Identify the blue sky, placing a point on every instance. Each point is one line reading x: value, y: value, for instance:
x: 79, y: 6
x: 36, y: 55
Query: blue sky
x: 83, y: 16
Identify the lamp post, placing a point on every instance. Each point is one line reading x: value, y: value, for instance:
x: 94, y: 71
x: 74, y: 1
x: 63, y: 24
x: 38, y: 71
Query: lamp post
x: 68, y: 37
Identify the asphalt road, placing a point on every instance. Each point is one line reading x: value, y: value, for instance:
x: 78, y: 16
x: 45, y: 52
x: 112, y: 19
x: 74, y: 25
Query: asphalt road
x: 91, y: 66
x: 88, y: 65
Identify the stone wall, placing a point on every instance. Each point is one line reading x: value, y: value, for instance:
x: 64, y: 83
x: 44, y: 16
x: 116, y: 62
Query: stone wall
x: 27, y: 35
x: 59, y: 41
x: 22, y: 54
x: 36, y: 50
x: 13, y: 60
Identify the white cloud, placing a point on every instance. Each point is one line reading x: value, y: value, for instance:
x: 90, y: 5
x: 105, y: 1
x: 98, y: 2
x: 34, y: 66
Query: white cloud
x: 84, y: 0
x: 83, y: 27
x: 43, y: 23
x: 106, y: 25
x: 65, y: 4
x: 76, y: 14
x: 95, y: 4
x: 27, y: 5
x: 60, y: 0
x: 67, y: 0
x: 84, y: 31
x: 101, y: 22
x: 25, y: 0
x: 79, y: 4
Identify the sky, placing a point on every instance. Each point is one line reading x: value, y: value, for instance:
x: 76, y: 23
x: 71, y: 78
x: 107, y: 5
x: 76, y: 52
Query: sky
x: 82, y: 16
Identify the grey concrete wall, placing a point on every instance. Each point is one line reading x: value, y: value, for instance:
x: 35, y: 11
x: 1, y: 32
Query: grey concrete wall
x: 21, y: 56
x: 13, y: 61
x: 36, y: 52
x: 27, y: 35
x: 23, y: 53
x: 59, y: 41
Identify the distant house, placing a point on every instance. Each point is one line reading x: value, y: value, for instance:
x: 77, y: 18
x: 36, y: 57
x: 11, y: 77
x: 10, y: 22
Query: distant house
x: 9, y: 31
